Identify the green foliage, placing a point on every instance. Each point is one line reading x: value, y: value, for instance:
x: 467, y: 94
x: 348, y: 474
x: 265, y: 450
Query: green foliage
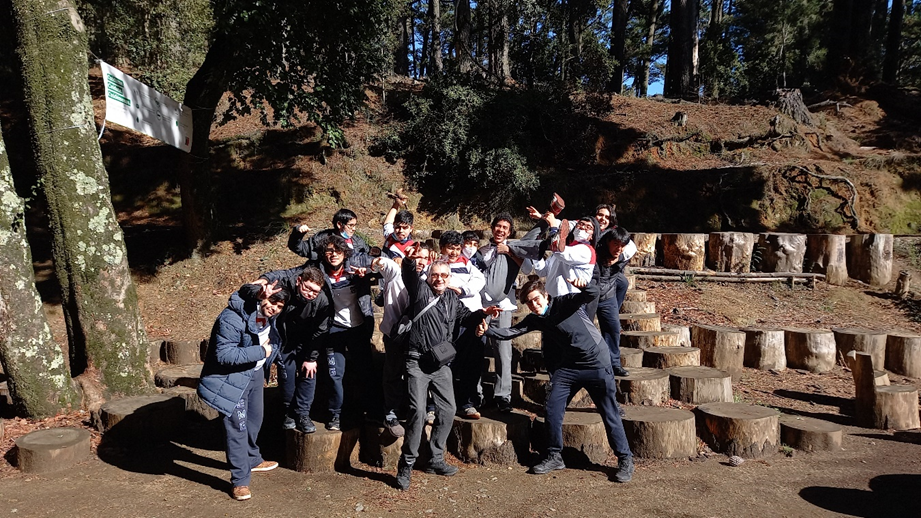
x: 163, y: 42
x: 722, y: 73
x: 910, y: 52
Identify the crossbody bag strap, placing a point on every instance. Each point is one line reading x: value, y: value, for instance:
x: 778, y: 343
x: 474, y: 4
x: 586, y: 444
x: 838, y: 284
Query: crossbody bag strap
x: 426, y: 308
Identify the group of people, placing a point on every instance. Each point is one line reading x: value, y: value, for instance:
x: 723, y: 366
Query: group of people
x: 441, y: 309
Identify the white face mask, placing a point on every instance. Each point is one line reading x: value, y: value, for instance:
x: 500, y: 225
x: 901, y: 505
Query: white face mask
x: 468, y: 251
x: 580, y: 235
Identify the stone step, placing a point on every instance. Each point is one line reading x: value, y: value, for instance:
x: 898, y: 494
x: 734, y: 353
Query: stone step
x: 495, y: 438
x: 50, y: 450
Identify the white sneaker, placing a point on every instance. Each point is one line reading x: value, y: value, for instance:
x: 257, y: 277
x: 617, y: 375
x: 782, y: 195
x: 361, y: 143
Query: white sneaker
x: 430, y: 417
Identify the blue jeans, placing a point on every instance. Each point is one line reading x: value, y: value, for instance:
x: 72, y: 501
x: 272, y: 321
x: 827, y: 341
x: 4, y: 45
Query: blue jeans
x: 609, y: 323
x: 467, y: 367
x: 241, y: 430
x: 600, y: 386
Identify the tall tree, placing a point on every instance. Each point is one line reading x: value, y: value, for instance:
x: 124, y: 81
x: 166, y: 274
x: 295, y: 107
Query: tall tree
x: 463, y: 52
x: 38, y: 378
x: 681, y: 72
x: 893, y: 42
x: 99, y: 299
x: 618, y: 44
x: 498, y: 39
x: 435, y: 61
x: 653, y: 12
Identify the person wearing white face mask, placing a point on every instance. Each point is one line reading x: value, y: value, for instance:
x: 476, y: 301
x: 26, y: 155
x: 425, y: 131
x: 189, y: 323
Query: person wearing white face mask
x: 572, y: 258
x: 471, y: 250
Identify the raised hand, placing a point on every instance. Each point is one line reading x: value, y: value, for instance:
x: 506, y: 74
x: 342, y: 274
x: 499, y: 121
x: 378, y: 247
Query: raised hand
x: 578, y: 283
x: 532, y: 212
x: 303, y: 229
x: 269, y: 289
x: 492, y: 311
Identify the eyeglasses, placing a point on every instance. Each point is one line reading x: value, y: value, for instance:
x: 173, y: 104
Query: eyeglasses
x: 439, y: 275
x: 333, y: 251
x: 351, y: 225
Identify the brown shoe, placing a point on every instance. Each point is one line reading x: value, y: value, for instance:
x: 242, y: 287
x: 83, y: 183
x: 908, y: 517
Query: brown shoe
x: 241, y: 493
x: 559, y: 242
x: 557, y: 204
x: 266, y: 465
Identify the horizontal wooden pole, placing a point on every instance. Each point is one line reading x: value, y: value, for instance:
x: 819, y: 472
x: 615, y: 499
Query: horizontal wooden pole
x: 711, y: 273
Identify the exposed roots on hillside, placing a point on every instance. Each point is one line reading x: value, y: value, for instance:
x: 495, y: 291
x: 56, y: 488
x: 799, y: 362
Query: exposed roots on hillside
x: 850, y: 202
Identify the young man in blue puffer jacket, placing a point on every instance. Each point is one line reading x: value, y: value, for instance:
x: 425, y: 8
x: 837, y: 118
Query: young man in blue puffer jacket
x: 244, y: 342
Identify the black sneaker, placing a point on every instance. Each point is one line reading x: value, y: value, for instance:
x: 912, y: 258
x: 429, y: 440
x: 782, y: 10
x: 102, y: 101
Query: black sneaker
x: 404, y: 474
x: 394, y: 427
x: 333, y: 424
x: 441, y: 468
x: 288, y: 423
x: 505, y: 406
x: 305, y: 425
x: 620, y: 371
x: 552, y: 462
x: 625, y: 469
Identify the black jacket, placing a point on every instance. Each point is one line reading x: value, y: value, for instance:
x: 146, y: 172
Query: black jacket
x: 310, y: 248
x: 570, y: 339
x: 303, y: 323
x: 438, y: 323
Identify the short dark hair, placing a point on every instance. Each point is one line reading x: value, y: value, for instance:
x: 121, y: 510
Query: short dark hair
x: 451, y: 237
x: 504, y: 216
x: 403, y: 217
x: 424, y: 245
x: 470, y: 235
x: 532, y: 285
x: 619, y: 234
x: 338, y: 243
x: 343, y: 216
x: 282, y: 295
x: 612, y: 216
x: 312, y: 274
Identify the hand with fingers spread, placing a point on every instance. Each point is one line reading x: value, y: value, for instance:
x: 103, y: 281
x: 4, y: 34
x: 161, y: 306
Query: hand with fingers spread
x: 532, y: 212
x: 492, y: 311
x: 269, y: 289
x: 309, y: 369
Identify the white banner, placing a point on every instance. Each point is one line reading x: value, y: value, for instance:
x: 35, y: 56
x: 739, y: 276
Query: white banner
x: 135, y: 105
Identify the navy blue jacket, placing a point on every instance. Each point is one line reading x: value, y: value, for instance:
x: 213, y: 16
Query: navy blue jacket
x: 232, y: 354
x: 310, y: 248
x: 570, y: 339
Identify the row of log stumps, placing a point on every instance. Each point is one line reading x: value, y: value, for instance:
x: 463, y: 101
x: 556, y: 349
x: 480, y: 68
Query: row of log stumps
x: 865, y: 257
x: 878, y: 405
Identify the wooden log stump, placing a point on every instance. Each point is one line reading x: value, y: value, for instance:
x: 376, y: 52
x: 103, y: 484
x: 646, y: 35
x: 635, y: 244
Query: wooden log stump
x: 179, y: 375
x: 635, y: 296
x: 645, y: 249
x: 684, y: 251
x: 660, y: 433
x: 880, y: 378
x: 323, y: 451
x: 869, y: 258
x: 536, y: 387
x: 181, y: 352
x: 720, y: 347
x: 809, y: 434
x: 810, y: 349
x: 782, y: 252
x: 684, y: 333
x: 141, y: 420
x: 667, y: 357
x: 640, y: 322
x: 863, y: 340
x: 585, y: 441
x: 903, y: 354
x: 532, y: 360
x: 644, y: 339
x: 749, y: 431
x: 888, y: 407
x: 730, y: 251
x: 376, y: 447
x: 631, y: 281
x: 643, y: 386
x: 156, y: 352
x: 194, y: 404
x: 698, y: 385
x: 764, y: 349
x: 826, y: 253
x: 630, y: 306
x: 54, y: 449
x: 495, y: 438
x: 631, y: 358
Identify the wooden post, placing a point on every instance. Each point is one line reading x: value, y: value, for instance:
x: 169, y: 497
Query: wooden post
x: 764, y: 349
x: 645, y: 249
x: 869, y: 258
x: 888, y: 407
x: 660, y: 433
x: 825, y: 253
x: 810, y: 349
x: 184, y: 375
x: 584, y: 439
x: 739, y: 429
x: 720, y: 347
x: 684, y: 251
x: 698, y: 385
x: 903, y: 354
x: 730, y: 251
x: 863, y: 340
x: 782, y: 252
x: 635, y: 296
x: 902, y: 285
x: 181, y: 352
x: 141, y: 420
x: 323, y: 451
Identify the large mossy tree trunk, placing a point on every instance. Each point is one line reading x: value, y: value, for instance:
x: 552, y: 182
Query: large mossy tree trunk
x: 99, y: 298
x: 38, y: 379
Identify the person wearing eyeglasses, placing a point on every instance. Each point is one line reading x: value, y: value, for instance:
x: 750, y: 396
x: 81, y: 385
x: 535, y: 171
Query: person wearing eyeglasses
x: 301, y: 325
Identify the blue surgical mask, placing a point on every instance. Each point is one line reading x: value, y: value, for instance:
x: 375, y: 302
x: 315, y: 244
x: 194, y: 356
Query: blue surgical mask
x: 544, y: 311
x: 345, y: 235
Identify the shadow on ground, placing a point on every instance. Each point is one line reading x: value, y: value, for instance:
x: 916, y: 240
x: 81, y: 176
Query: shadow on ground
x: 889, y: 496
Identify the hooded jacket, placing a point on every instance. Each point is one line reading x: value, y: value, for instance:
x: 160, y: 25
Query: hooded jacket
x: 232, y: 354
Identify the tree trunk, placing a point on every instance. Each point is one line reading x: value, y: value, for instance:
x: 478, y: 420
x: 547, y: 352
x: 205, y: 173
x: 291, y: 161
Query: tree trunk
x: 645, y: 249
x: 618, y: 45
x: 656, y: 8
x: 825, y: 253
x: 684, y: 251
x: 99, y: 299
x: 401, y: 59
x: 869, y: 258
x: 893, y: 42
x: 435, y: 47
x: 782, y: 252
x: 462, y: 50
x: 730, y: 251
x: 680, y: 72
x: 38, y: 379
